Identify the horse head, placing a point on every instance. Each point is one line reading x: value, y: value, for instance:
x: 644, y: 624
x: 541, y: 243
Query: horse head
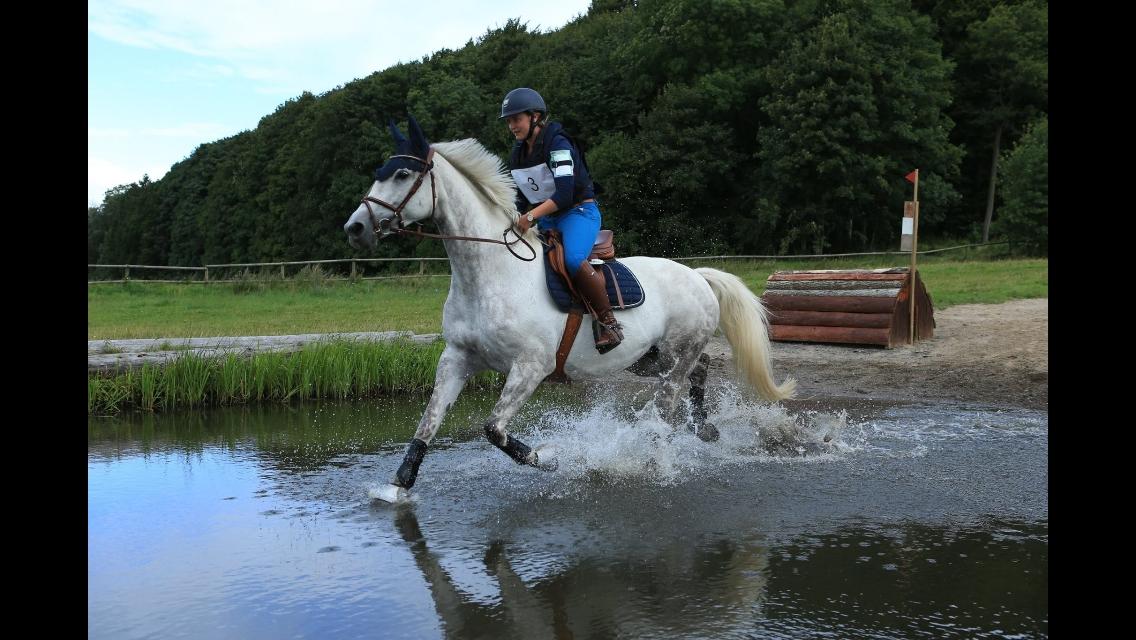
x: 395, y: 199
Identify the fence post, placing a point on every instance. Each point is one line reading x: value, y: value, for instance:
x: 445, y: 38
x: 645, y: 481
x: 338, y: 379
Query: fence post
x: 126, y: 275
x: 206, y: 275
x: 421, y: 267
x: 281, y: 271
x: 353, y: 272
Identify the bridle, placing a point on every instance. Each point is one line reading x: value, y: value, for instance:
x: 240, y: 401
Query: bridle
x: 428, y: 163
x: 394, y: 224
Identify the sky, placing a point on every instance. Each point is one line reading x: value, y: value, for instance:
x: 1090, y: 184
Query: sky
x: 165, y: 76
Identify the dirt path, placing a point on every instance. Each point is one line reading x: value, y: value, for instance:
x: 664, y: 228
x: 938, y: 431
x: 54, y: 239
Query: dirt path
x: 990, y: 353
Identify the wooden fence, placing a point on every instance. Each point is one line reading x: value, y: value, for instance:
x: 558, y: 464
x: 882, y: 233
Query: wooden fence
x: 206, y: 279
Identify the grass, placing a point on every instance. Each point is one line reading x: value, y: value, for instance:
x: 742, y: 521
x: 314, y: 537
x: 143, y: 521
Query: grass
x: 344, y: 369
x: 336, y: 369
x: 140, y: 310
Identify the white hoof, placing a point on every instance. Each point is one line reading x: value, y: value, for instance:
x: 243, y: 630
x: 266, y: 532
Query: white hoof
x: 547, y: 457
x: 389, y: 493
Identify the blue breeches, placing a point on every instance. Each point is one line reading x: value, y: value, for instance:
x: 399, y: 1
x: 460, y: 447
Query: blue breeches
x: 578, y: 226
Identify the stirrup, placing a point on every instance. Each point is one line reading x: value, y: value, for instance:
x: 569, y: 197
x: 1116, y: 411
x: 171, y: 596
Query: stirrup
x: 615, y: 330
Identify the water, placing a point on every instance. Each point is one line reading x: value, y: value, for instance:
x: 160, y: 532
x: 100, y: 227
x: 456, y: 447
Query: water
x: 910, y: 521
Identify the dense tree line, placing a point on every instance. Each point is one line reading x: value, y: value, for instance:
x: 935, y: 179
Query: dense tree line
x: 736, y: 126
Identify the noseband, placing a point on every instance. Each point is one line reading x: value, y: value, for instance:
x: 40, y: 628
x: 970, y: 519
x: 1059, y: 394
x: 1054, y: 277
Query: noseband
x: 428, y: 163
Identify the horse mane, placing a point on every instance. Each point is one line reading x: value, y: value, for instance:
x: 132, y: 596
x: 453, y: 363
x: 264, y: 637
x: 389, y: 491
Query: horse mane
x: 482, y: 169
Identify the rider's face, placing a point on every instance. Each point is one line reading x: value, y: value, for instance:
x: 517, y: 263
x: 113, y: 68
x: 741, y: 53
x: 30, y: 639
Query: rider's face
x: 519, y: 124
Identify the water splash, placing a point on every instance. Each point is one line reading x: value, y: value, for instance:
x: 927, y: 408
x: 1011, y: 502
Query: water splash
x: 610, y: 442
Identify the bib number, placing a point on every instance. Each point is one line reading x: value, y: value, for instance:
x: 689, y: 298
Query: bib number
x: 537, y: 183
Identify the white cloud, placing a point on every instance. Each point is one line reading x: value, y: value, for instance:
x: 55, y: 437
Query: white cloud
x: 312, y: 46
x: 103, y: 174
x: 280, y: 48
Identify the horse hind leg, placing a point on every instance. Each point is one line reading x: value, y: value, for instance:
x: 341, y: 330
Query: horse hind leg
x: 689, y: 365
x: 703, y: 429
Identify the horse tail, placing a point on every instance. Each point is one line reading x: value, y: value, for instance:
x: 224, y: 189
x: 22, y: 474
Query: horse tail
x: 743, y: 321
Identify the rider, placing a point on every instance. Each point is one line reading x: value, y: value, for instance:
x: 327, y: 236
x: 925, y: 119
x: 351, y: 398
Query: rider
x: 556, y: 191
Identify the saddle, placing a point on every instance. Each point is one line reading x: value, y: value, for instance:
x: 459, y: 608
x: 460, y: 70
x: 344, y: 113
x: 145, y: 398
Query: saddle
x: 623, y: 289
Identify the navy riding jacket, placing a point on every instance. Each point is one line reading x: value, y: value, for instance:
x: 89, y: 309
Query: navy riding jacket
x: 573, y: 184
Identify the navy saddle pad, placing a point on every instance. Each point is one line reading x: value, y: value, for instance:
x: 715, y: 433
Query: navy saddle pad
x: 613, y: 271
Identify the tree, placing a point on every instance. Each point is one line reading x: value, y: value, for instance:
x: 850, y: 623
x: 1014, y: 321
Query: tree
x: 448, y: 105
x: 1024, y: 216
x: 1004, y: 77
x: 856, y: 101
x: 714, y: 126
x: 96, y: 229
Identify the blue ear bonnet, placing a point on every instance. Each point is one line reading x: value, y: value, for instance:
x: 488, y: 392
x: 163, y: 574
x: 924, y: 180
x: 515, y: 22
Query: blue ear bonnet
x: 394, y: 164
x: 417, y: 146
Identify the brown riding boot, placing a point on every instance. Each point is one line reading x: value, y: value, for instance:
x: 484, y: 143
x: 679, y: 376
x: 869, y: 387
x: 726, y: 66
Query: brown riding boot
x: 590, y: 283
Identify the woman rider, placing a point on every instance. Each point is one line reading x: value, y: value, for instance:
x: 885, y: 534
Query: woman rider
x: 557, y: 193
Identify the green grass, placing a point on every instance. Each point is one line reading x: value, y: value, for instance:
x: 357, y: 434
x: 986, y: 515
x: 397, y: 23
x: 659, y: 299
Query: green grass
x: 336, y: 369
x: 139, y: 310
x: 342, y: 369
x: 951, y: 283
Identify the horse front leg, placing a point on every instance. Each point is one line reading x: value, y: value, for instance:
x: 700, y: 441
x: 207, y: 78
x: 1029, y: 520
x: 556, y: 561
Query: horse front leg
x: 454, y: 368
x: 523, y: 379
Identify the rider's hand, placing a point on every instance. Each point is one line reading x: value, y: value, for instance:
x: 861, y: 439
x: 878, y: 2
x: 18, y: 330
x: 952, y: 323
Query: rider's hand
x: 523, y: 224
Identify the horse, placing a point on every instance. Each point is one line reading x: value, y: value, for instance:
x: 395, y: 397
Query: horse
x: 497, y: 315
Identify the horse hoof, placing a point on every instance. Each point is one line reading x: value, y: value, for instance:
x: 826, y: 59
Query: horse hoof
x: 389, y: 493
x: 546, y: 457
x: 707, y: 432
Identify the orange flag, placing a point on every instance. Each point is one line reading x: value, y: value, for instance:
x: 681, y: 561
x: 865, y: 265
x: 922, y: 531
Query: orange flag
x: 911, y: 176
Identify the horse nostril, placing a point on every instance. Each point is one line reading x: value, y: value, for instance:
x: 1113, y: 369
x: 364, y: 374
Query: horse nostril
x: 355, y: 228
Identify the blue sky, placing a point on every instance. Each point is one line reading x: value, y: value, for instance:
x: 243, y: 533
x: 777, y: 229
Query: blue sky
x: 164, y: 76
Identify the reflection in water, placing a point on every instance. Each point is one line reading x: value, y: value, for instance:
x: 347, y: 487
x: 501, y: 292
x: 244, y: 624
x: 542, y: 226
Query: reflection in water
x: 899, y: 581
x: 254, y: 523
x: 913, y: 580
x: 678, y: 590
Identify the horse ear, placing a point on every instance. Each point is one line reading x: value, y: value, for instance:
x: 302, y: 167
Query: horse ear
x: 396, y: 134
x: 417, y: 138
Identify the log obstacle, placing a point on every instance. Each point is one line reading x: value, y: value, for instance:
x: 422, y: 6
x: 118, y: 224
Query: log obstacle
x: 854, y: 306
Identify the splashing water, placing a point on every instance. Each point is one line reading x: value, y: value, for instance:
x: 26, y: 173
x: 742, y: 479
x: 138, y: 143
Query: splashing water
x: 606, y: 441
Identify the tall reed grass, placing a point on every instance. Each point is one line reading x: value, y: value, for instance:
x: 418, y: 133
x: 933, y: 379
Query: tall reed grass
x: 337, y: 369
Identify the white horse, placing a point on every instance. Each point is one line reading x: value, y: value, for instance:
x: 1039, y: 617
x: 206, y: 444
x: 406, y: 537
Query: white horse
x: 498, y: 314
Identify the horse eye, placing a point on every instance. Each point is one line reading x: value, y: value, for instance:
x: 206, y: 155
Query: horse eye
x: 401, y: 173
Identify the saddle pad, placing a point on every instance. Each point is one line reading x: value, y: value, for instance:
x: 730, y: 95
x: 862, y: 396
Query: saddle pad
x: 613, y: 270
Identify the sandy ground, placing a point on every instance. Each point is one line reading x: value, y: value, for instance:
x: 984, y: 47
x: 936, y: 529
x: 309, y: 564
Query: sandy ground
x: 996, y: 354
